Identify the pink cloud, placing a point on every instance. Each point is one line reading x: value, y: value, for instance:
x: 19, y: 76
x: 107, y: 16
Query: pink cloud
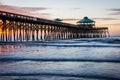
x: 70, y: 19
x: 30, y: 11
x: 106, y: 18
x: 114, y: 11
x: 114, y: 24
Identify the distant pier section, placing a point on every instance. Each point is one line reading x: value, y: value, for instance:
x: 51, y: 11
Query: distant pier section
x: 18, y: 28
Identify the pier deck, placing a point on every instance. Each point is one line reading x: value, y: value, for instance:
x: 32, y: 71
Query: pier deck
x: 18, y: 27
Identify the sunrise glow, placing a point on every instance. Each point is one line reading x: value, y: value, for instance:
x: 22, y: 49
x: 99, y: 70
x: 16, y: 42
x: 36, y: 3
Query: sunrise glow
x: 106, y: 13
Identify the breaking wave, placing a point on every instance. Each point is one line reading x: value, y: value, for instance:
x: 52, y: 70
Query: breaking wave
x: 60, y: 74
x: 58, y: 60
x: 83, y: 42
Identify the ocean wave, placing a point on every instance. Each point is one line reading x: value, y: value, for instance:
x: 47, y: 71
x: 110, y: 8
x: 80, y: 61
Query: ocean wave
x: 61, y: 74
x: 109, y: 40
x: 84, y: 42
x: 58, y: 60
x: 115, y: 41
x: 112, y: 40
x: 116, y: 46
x: 62, y: 44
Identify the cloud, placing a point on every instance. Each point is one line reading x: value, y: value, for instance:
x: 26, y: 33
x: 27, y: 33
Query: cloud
x: 114, y: 11
x: 30, y: 11
x: 106, y: 18
x: 76, y: 8
x: 46, y: 14
x: 70, y: 19
x: 74, y: 19
x: 1, y: 2
x: 33, y: 8
x: 114, y: 24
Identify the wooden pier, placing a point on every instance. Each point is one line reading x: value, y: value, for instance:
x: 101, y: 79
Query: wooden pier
x: 18, y: 27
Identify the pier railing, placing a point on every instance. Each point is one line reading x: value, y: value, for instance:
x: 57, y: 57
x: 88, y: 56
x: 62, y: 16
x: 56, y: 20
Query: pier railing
x: 17, y: 27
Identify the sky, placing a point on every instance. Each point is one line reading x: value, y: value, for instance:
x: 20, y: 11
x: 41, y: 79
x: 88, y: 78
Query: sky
x: 106, y: 13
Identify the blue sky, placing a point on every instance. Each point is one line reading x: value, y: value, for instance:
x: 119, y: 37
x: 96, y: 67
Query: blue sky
x: 104, y: 12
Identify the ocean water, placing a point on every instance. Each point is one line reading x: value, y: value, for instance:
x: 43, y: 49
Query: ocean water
x: 76, y: 59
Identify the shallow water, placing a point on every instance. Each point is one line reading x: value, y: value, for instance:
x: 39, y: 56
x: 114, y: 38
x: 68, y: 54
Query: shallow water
x: 77, y: 59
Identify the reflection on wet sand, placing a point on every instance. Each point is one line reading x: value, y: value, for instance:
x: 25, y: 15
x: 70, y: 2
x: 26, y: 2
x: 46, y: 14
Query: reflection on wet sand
x: 8, y: 48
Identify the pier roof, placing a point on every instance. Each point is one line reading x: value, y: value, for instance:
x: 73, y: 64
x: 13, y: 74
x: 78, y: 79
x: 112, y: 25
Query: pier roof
x: 85, y: 20
x: 58, y: 19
